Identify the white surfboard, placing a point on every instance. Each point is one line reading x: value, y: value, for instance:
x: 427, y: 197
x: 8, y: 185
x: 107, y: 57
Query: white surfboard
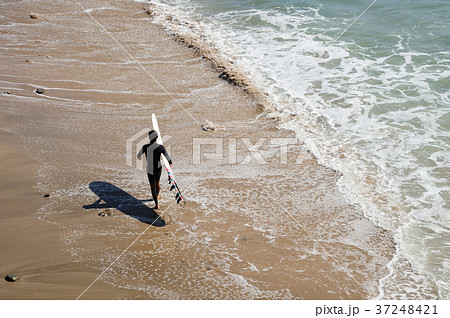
x: 173, y: 185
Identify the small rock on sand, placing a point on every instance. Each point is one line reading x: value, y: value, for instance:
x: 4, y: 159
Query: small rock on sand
x: 106, y: 213
x: 7, y: 93
x: 208, y: 126
x: 46, y: 195
x: 39, y: 91
x: 34, y: 15
x: 12, y: 277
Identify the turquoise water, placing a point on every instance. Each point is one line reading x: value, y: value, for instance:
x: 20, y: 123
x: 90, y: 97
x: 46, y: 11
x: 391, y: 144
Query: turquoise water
x: 365, y: 85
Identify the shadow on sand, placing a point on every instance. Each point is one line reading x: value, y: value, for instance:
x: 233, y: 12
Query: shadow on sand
x: 111, y: 196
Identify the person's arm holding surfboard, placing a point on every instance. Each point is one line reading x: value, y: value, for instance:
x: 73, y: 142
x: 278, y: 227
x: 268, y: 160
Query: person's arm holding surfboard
x: 166, y: 154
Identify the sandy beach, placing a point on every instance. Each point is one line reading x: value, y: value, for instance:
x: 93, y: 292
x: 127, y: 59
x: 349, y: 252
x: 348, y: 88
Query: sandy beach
x: 258, y: 224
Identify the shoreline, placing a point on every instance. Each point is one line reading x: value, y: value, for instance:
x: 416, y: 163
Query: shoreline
x: 250, y: 251
x: 226, y: 69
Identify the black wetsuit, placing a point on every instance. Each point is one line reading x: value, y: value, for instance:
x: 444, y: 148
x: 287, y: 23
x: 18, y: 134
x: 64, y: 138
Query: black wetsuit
x: 153, y: 153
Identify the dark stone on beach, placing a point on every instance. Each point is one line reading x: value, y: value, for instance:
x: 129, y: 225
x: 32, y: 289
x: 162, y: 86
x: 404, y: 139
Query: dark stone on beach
x: 40, y: 91
x: 12, y: 277
x: 106, y: 213
x: 7, y: 93
x: 227, y: 77
x: 46, y: 195
x: 34, y: 15
x: 208, y: 126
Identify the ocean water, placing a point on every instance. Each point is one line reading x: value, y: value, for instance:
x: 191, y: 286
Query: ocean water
x: 366, y: 87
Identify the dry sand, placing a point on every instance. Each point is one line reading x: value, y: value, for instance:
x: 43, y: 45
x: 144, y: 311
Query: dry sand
x: 249, y: 231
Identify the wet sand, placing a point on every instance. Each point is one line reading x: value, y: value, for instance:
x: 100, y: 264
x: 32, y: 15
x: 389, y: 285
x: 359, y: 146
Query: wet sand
x: 277, y: 228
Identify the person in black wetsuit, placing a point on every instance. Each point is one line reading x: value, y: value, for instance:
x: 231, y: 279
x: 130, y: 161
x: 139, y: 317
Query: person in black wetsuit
x: 153, y: 152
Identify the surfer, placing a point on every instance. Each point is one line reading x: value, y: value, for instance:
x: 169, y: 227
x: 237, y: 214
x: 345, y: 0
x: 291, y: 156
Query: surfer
x: 153, y: 152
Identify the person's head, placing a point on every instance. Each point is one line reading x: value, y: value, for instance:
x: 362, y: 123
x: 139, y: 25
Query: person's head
x: 153, y: 136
